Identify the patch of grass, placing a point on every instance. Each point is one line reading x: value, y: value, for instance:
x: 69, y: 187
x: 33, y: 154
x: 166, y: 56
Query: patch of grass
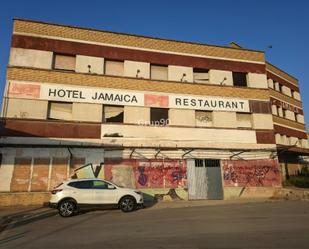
x: 298, y: 181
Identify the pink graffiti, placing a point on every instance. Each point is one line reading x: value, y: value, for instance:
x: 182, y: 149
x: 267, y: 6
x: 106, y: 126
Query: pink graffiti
x: 251, y: 173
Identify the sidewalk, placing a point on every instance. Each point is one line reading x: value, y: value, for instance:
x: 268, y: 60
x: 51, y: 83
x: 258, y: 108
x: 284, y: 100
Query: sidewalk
x: 10, y: 217
x: 199, y: 203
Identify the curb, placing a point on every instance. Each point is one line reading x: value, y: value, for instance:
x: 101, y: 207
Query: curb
x: 22, y: 218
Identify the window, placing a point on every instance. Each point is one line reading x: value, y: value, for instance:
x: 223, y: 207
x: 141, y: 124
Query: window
x: 280, y: 88
x: 201, y: 75
x: 101, y: 185
x: 243, y: 120
x: 199, y: 163
x: 81, y: 184
x: 158, y: 72
x: 239, y: 79
x: 278, y: 110
x: 64, y: 62
x: 292, y: 93
x: 203, y: 118
x: 115, y: 68
x: 113, y: 114
x: 158, y: 116
x: 284, y: 113
x: 60, y: 110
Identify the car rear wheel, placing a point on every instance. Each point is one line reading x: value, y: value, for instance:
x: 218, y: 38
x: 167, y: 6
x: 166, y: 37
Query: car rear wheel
x: 127, y: 204
x: 67, y: 208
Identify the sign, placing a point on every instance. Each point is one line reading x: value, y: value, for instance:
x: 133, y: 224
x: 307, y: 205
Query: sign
x: 209, y: 103
x: 285, y: 105
x: 56, y: 92
x: 91, y: 95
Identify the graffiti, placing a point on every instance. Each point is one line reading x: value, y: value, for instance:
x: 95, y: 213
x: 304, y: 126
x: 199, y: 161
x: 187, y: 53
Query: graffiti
x: 251, y: 173
x: 142, y: 179
x: 149, y: 173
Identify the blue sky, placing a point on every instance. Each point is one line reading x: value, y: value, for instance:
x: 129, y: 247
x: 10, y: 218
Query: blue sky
x: 254, y: 24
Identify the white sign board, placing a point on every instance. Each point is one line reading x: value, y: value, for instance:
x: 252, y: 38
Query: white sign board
x: 57, y: 92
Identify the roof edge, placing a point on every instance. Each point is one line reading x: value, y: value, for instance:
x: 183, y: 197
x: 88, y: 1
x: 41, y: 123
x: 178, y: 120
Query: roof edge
x: 141, y: 36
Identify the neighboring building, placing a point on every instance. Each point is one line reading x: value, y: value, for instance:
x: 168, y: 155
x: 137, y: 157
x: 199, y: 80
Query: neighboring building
x: 185, y: 119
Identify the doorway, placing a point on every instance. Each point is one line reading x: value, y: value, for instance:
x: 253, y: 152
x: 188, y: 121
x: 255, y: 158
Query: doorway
x: 204, y: 179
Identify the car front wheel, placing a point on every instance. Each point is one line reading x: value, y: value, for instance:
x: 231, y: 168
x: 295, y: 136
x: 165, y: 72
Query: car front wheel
x: 67, y: 208
x: 127, y: 204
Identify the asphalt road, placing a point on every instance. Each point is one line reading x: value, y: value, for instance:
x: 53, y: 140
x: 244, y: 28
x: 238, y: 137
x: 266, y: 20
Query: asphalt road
x: 283, y: 224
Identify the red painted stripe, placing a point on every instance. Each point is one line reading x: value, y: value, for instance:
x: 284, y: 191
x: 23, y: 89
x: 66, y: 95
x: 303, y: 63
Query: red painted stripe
x: 282, y: 81
x: 69, y: 47
x: 286, y: 105
x: 290, y: 132
x: 33, y: 128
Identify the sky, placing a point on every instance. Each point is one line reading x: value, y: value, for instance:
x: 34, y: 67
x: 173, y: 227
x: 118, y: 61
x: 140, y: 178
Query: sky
x: 253, y: 24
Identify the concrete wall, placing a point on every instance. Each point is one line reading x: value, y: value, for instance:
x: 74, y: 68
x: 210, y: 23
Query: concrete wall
x: 96, y: 63
x: 31, y: 58
x: 136, y: 115
x: 255, y: 80
x: 278, y: 138
x: 274, y: 109
x: 304, y: 143
x: 131, y: 69
x: 270, y: 83
x: 262, y: 121
x: 300, y: 118
x: 153, y: 134
x: 182, y: 117
x: 176, y: 73
x: 87, y: 112
x: 224, y: 119
x: 289, y: 115
x: 296, y: 95
x: 276, y: 84
x: 217, y: 77
x: 26, y: 108
x: 280, y: 112
x: 286, y: 91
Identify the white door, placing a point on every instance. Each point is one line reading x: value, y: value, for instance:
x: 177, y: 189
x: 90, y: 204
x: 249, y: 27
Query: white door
x: 82, y: 191
x: 104, y: 193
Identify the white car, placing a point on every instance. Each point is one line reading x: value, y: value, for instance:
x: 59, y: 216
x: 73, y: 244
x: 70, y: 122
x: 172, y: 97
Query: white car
x: 71, y: 195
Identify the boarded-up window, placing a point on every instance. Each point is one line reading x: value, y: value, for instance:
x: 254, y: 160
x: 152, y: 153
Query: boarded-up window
x: 60, y: 110
x: 203, y: 118
x: 58, y: 171
x: 113, y: 114
x: 239, y: 79
x: 159, y: 116
x: 114, y: 68
x: 158, y: 72
x: 64, y: 62
x: 39, y: 181
x: 200, y: 75
x: 21, y: 175
x: 244, y: 120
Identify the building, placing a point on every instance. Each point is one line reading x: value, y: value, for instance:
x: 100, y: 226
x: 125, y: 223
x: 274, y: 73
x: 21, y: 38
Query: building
x: 186, y: 120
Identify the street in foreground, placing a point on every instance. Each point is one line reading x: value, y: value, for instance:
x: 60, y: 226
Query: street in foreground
x: 281, y: 224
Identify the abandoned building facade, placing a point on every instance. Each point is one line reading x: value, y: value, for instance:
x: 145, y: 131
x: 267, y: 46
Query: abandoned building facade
x: 199, y: 121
